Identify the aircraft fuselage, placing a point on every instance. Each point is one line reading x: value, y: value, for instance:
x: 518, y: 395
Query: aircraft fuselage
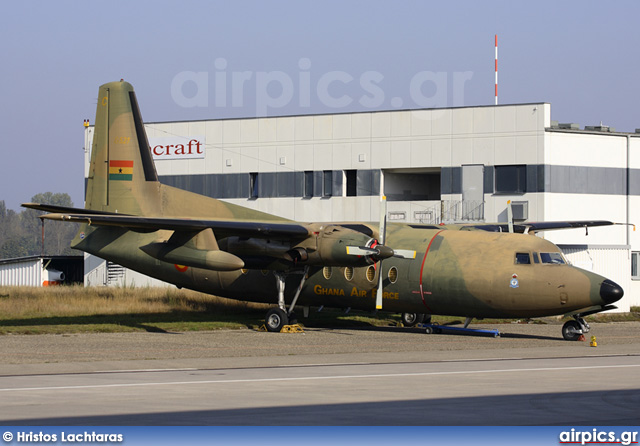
x: 455, y: 272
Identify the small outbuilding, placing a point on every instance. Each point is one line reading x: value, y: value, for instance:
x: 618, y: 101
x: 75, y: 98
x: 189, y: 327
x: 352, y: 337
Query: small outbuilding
x: 42, y: 270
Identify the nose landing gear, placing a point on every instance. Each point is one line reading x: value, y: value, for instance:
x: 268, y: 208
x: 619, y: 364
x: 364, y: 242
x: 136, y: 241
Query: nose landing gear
x: 573, y: 330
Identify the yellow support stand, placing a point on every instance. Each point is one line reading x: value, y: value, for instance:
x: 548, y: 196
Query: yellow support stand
x: 593, y: 342
x: 296, y: 328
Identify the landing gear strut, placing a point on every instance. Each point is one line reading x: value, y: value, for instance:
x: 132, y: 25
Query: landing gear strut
x: 279, y: 317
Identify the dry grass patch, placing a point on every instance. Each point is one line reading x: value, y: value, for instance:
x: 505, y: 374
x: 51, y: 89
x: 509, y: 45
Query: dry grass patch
x: 77, y: 309
x: 28, y: 302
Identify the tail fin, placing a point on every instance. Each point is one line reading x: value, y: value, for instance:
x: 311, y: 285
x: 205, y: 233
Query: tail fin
x: 122, y: 176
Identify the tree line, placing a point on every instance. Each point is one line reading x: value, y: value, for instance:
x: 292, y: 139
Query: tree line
x: 21, y: 233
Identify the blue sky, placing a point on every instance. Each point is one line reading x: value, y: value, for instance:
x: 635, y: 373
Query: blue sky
x: 580, y: 56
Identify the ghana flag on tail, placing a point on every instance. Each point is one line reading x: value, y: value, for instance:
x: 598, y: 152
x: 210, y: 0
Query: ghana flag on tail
x: 120, y: 170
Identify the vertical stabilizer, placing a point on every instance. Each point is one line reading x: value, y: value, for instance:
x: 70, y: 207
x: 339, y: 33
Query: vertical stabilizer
x: 122, y: 176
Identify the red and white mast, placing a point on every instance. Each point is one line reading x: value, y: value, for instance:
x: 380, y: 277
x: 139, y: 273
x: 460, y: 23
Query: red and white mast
x: 496, y: 69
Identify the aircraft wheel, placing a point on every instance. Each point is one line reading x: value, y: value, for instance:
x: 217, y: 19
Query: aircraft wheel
x: 276, y: 319
x: 571, y: 331
x: 411, y: 319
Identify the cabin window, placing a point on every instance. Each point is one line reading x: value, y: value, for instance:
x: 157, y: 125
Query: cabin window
x: 371, y: 273
x: 552, y: 257
x: 348, y: 273
x: 393, y: 274
x: 522, y: 258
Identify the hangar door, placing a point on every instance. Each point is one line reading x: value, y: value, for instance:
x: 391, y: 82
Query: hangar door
x: 473, y: 183
x: 412, y: 184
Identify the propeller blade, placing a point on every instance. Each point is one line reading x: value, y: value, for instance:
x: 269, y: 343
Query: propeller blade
x: 361, y: 251
x: 383, y: 220
x: 379, y: 290
x: 404, y: 253
x: 381, y: 238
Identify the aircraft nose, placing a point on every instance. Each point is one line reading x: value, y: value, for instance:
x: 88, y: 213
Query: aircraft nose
x: 610, y: 291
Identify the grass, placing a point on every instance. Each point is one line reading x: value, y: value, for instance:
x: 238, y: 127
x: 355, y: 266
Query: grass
x: 76, y: 309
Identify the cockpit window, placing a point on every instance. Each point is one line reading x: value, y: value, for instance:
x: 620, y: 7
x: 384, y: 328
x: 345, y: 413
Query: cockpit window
x: 536, y: 259
x: 522, y: 258
x: 552, y: 257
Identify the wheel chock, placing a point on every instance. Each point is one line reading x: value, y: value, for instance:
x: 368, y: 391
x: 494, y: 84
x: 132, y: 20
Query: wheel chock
x: 593, y: 342
x: 582, y: 338
x: 295, y: 328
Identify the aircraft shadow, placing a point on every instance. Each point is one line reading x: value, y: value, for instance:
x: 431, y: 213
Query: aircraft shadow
x: 614, y: 408
x: 150, y: 322
x: 147, y: 321
x: 503, y: 334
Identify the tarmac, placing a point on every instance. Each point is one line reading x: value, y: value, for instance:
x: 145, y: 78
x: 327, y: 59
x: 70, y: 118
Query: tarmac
x: 372, y: 376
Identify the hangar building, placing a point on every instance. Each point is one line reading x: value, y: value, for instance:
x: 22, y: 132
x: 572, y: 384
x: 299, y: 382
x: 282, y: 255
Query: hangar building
x: 456, y: 164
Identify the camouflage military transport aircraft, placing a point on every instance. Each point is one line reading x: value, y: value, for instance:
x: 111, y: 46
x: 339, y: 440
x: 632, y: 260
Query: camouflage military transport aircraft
x: 197, y: 242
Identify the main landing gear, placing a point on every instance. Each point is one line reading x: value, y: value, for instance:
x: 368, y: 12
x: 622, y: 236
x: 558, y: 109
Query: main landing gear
x: 412, y: 319
x: 278, y: 317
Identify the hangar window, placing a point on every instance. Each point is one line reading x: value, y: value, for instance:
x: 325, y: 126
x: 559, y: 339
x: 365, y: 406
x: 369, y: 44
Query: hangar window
x: 522, y: 258
x: 327, y: 183
x: 511, y: 179
x: 552, y: 257
x: 351, y: 179
x: 253, y: 185
x: 308, y: 184
x: 635, y: 260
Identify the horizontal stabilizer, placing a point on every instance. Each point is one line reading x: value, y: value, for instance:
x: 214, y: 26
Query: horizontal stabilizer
x: 64, y: 209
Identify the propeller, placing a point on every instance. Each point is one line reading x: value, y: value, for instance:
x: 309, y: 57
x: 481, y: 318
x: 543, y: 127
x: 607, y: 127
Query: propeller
x: 382, y: 231
x: 377, y: 251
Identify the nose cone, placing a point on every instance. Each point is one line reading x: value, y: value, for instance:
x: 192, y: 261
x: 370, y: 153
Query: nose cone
x: 610, y: 291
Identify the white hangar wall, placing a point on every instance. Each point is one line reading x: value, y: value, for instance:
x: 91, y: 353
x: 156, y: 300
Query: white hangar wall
x: 454, y: 164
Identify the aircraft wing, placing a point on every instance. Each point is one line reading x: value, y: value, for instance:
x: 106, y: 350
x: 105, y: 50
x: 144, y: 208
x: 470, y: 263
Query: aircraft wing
x: 221, y: 228
x: 533, y: 227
